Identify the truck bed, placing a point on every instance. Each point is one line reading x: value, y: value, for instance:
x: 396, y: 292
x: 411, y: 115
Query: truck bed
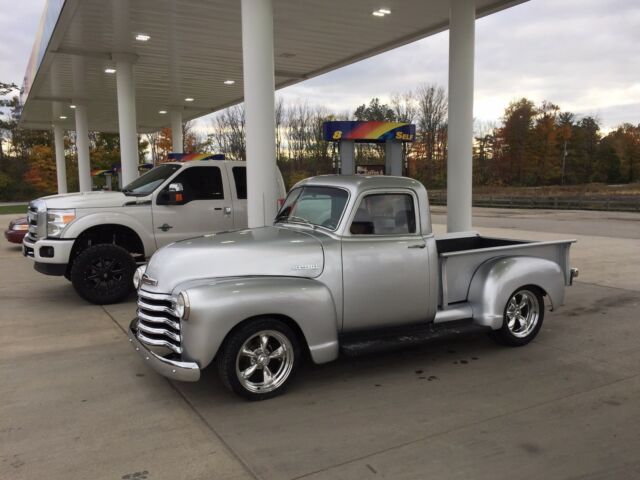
x: 460, y: 255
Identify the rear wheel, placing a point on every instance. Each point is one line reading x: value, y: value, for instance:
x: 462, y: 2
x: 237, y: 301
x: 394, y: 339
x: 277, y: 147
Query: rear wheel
x: 523, y: 316
x: 259, y: 359
x: 103, y: 274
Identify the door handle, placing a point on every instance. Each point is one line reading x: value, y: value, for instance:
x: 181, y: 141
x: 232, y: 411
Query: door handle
x: 164, y: 227
x: 418, y: 245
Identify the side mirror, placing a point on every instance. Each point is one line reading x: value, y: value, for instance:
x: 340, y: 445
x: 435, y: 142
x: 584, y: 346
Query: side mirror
x: 173, y: 195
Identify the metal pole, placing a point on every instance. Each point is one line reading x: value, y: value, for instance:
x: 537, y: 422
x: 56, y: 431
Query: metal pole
x: 82, y: 145
x: 127, y: 117
x: 459, y: 162
x: 177, y: 139
x: 259, y: 101
x: 61, y: 166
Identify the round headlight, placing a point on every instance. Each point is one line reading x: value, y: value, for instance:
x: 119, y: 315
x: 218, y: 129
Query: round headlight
x: 181, y: 306
x: 137, y: 276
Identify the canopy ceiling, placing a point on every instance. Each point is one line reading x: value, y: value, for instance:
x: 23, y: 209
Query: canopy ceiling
x: 195, y: 46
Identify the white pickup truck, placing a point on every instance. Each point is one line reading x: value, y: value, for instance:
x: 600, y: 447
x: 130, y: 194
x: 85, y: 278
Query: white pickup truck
x: 95, y: 239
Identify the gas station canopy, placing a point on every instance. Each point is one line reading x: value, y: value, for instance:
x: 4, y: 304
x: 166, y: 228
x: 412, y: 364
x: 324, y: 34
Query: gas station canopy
x: 187, y: 54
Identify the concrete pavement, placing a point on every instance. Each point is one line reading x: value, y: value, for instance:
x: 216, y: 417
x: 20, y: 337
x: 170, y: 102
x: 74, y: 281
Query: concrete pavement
x: 77, y: 402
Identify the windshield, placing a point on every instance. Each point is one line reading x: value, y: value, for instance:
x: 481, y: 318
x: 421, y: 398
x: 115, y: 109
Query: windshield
x: 151, y: 180
x: 316, y: 206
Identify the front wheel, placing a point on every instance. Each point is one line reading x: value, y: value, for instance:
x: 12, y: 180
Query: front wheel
x: 523, y: 316
x: 103, y: 274
x: 259, y: 359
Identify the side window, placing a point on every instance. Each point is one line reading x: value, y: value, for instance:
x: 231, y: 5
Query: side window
x: 201, y: 183
x: 385, y: 214
x: 240, y: 179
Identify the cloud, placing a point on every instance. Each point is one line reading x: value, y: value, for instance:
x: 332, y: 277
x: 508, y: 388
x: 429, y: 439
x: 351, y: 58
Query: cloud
x: 18, y: 27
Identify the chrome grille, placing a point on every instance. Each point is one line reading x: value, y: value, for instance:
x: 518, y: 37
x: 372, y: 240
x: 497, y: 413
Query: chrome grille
x: 32, y: 218
x: 158, y: 326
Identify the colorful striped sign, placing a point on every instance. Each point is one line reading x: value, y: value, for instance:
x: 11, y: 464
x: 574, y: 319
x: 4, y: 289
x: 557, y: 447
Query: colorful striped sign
x: 360, y: 131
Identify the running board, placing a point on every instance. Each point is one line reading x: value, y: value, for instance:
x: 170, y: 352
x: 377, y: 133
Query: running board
x: 361, y: 343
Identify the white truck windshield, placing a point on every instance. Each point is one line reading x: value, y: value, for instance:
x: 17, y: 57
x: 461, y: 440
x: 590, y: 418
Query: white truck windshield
x: 151, y: 180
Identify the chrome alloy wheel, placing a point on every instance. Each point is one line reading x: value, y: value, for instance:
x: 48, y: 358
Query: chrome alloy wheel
x: 523, y: 312
x: 264, y: 361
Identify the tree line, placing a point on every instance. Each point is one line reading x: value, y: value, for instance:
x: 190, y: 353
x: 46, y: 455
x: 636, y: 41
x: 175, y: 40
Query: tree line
x: 531, y: 145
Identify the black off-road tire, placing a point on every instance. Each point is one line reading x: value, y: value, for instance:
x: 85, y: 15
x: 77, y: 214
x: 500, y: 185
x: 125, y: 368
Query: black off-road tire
x: 510, y: 335
x: 230, y: 363
x: 103, y: 274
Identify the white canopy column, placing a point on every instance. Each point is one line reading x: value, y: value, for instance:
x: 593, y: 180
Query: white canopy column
x: 259, y: 101
x: 459, y: 163
x: 82, y: 146
x: 176, y: 131
x: 127, y: 116
x: 61, y: 166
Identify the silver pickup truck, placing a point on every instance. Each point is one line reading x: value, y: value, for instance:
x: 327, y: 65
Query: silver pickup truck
x: 350, y: 265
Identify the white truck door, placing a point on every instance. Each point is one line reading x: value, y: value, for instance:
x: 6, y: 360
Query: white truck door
x: 385, y: 264
x: 238, y: 179
x: 205, y: 206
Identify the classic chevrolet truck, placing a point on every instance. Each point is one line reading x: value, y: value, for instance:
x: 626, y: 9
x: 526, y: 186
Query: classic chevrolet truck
x: 350, y: 265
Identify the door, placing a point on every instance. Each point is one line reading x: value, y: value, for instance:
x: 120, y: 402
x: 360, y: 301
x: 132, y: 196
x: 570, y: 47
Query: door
x: 205, y: 206
x: 385, y: 264
x: 238, y: 178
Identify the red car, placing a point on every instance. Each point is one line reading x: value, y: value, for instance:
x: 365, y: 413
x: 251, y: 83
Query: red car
x: 18, y: 228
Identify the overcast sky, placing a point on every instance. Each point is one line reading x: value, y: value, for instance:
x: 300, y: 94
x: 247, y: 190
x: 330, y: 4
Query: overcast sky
x: 583, y: 55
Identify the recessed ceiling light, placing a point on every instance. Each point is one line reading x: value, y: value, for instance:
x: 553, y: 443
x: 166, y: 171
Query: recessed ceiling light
x: 109, y: 70
x: 188, y: 99
x: 72, y: 106
x: 143, y: 37
x: 229, y: 82
x: 381, y: 12
x: 162, y: 112
x: 63, y: 117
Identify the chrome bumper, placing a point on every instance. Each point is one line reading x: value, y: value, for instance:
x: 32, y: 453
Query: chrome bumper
x: 177, y: 370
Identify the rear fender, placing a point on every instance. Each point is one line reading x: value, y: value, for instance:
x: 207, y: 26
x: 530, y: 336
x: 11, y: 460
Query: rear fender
x: 496, y: 279
x: 217, y: 307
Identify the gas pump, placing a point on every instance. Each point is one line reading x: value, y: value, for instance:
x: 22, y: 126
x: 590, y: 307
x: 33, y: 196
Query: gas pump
x: 394, y: 135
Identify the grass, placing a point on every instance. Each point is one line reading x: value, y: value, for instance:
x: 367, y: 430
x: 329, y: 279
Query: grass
x: 8, y: 209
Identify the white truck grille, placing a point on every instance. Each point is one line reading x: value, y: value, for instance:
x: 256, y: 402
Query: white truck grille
x: 158, y: 326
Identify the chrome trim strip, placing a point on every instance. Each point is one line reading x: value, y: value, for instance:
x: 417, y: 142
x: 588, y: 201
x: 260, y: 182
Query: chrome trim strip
x: 154, y: 308
x: 157, y: 343
x: 158, y: 331
x: 155, y: 296
x: 148, y: 318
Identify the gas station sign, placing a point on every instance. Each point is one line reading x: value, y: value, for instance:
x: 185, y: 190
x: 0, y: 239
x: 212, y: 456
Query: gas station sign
x: 361, y: 131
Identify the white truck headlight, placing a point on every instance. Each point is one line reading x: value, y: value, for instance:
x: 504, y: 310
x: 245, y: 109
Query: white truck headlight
x: 57, y: 219
x: 181, y: 306
x: 137, y: 276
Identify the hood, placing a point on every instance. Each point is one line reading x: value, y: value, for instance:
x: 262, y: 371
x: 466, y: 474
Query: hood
x: 89, y: 200
x: 266, y: 251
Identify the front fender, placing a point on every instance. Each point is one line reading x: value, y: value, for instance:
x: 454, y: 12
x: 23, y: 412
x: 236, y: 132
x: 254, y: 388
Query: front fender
x: 75, y: 228
x: 218, y: 306
x: 496, y: 279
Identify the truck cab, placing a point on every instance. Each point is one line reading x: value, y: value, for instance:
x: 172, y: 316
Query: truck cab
x: 96, y: 239
x: 350, y: 265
